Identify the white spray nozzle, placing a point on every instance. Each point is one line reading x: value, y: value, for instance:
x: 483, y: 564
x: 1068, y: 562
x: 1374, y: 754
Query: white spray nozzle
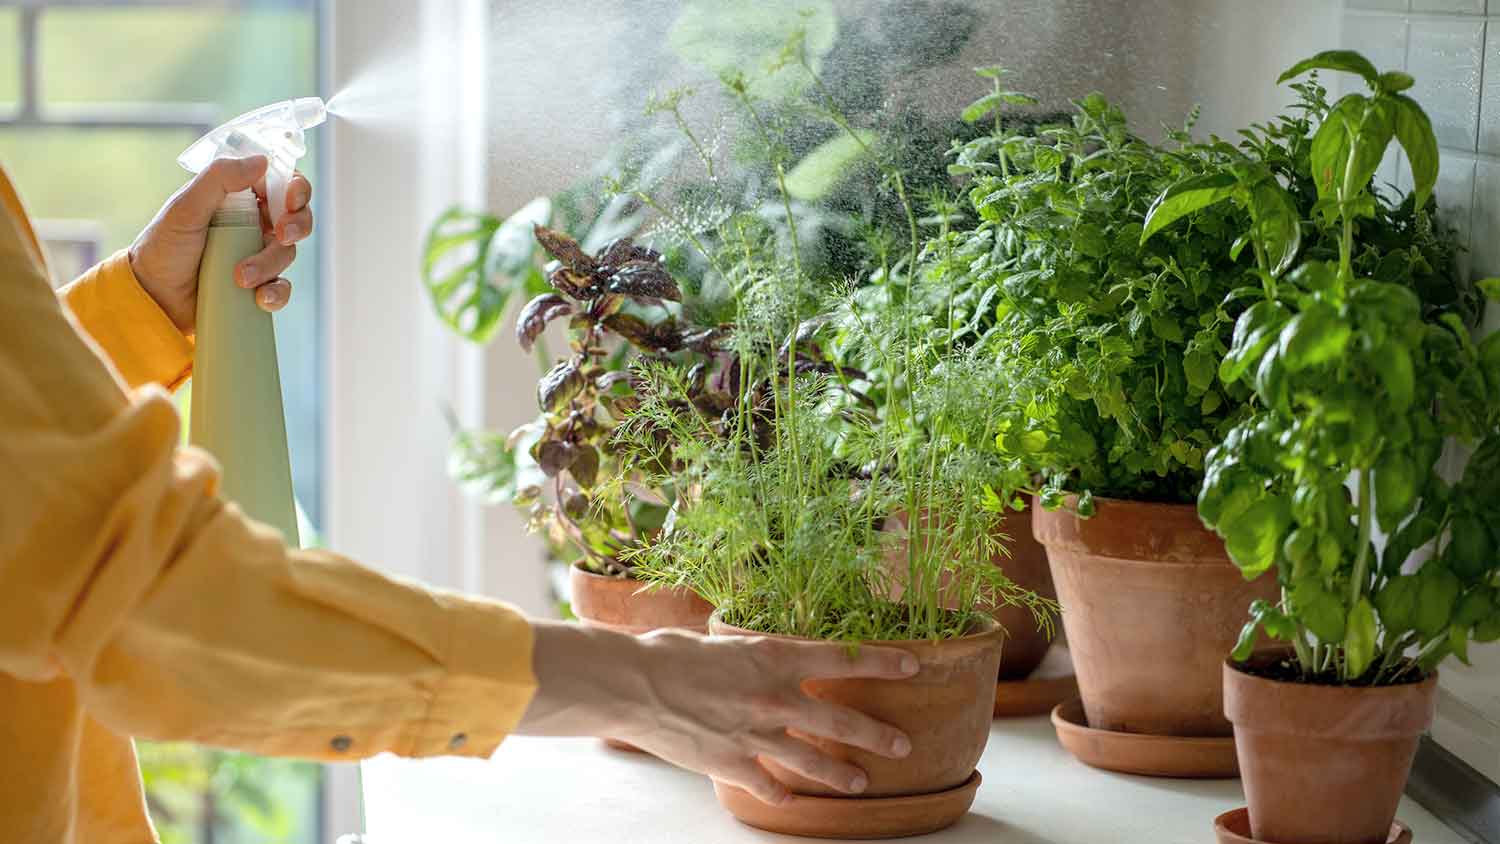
x: 274, y: 131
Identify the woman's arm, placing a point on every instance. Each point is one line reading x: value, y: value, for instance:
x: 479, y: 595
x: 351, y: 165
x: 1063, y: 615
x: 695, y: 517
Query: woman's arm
x: 133, y: 333
x: 178, y: 618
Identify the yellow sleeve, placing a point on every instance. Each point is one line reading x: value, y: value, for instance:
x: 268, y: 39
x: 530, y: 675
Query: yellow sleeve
x: 174, y: 615
x: 135, y: 334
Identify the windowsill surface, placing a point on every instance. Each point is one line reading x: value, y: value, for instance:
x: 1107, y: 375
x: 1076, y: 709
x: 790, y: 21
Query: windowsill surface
x: 579, y: 790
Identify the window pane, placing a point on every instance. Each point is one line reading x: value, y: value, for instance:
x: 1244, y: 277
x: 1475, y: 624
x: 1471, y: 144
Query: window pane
x: 236, y: 59
x: 114, y: 177
x: 10, y: 66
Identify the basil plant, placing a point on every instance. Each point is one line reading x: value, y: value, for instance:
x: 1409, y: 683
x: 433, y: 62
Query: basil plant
x: 1358, y: 385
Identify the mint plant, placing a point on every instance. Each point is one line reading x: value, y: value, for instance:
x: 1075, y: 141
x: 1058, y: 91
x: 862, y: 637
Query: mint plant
x: 1357, y: 381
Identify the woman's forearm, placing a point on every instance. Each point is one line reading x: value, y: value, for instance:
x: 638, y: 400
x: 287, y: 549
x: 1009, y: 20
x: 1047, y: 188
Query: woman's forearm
x: 590, y: 682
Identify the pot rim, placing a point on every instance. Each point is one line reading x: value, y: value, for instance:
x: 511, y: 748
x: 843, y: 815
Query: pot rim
x: 1272, y: 653
x: 578, y: 566
x: 1405, y: 709
x: 992, y: 630
x: 1174, y: 533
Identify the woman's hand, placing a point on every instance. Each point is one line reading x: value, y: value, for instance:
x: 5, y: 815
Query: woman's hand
x: 712, y: 704
x: 165, y: 257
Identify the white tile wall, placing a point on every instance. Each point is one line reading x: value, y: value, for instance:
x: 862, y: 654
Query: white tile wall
x: 1471, y: 7
x: 1446, y: 55
x: 1453, y: 50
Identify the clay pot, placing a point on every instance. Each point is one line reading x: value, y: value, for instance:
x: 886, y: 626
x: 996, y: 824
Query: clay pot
x: 1151, y: 604
x: 944, y: 709
x: 1025, y: 644
x: 1324, y: 764
x: 628, y: 606
x: 1026, y: 565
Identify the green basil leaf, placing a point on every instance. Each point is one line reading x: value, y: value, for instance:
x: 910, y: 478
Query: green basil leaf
x: 1397, y: 602
x: 1319, y: 610
x: 1246, y: 644
x: 1395, y: 81
x: 1256, y: 328
x: 1348, y: 61
x: 1278, y: 223
x: 1393, y: 365
x: 1414, y: 130
x: 1458, y: 643
x: 1315, y: 336
x: 1330, y: 554
x: 1359, y: 641
x: 1314, y: 276
x: 1254, y: 537
x: 1301, y: 547
x: 1471, y: 548
x: 1186, y: 197
x: 1435, y: 600
x: 1396, y: 487
x: 1330, y: 146
x: 1475, y: 607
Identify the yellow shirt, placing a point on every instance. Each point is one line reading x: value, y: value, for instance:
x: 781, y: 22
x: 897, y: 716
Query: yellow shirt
x: 134, y: 602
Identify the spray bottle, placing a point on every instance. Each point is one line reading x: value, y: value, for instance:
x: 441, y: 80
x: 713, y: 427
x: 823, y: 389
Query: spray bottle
x: 236, y: 407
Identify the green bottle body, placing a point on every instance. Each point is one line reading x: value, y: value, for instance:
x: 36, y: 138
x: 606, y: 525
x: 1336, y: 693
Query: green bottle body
x: 236, y: 404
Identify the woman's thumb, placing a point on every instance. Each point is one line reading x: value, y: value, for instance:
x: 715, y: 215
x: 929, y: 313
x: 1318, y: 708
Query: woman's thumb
x: 205, y: 193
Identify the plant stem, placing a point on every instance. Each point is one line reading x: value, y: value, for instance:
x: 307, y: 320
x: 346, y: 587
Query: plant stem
x: 1362, y: 561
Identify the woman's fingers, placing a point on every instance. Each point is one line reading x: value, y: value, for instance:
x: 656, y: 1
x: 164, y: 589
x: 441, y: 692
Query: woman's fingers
x: 803, y: 758
x: 273, y: 295
x: 267, y: 265
x: 835, y: 661
x: 750, y: 776
x: 294, y: 226
x: 298, y: 193
x: 849, y: 726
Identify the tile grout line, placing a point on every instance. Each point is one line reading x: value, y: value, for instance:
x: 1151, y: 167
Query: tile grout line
x: 1484, y: 51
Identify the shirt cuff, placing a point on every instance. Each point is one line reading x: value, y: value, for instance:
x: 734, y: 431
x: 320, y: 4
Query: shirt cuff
x: 488, y: 684
x: 135, y: 333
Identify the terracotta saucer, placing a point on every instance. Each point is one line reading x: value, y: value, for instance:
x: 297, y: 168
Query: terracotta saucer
x: 1033, y: 695
x: 852, y: 817
x: 1140, y: 753
x: 1233, y: 827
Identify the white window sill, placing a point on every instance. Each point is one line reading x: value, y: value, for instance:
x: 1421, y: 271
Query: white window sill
x: 579, y: 790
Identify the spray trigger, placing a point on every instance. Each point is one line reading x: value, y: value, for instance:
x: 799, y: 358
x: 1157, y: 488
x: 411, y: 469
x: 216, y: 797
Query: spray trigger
x: 274, y: 131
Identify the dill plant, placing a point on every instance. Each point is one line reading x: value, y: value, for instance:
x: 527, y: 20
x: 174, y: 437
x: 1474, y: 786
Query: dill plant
x: 846, y: 410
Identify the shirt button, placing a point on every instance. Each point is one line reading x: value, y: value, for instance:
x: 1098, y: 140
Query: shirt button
x: 341, y: 743
x: 458, y: 741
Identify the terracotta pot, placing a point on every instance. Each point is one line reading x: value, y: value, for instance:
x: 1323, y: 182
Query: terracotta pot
x: 1026, y: 565
x: 1025, y: 644
x: 1324, y: 764
x: 1151, y: 605
x: 628, y: 606
x: 944, y: 709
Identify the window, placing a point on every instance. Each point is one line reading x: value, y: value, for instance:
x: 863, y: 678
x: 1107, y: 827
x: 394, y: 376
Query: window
x: 97, y: 98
